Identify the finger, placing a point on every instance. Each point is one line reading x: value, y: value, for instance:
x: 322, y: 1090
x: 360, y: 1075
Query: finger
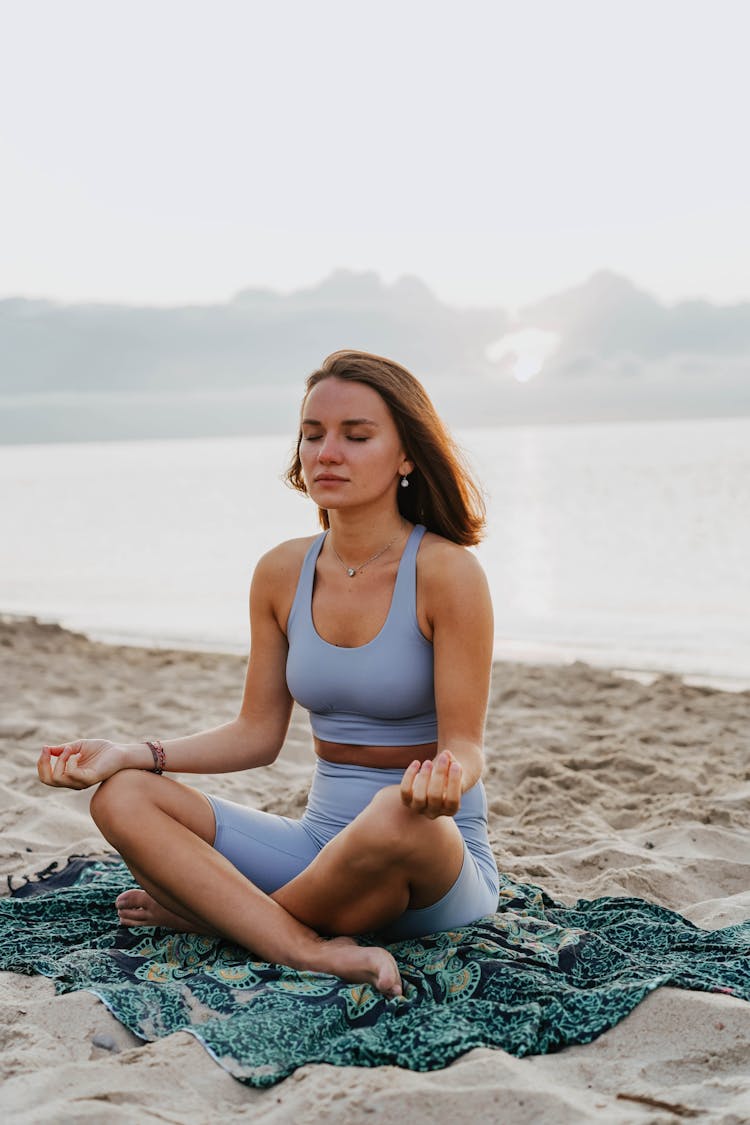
x: 48, y: 771
x: 67, y: 764
x: 438, y: 782
x: 57, y: 770
x: 81, y: 776
x: 44, y: 766
x: 67, y: 752
x: 71, y: 774
x: 441, y: 765
x: 52, y: 772
x: 452, y: 798
x: 420, y: 786
x: 407, y: 781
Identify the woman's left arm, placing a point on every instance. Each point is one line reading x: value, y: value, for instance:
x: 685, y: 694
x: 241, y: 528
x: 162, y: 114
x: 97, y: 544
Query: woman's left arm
x: 458, y: 607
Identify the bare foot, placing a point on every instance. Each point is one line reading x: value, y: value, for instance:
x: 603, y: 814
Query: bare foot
x: 363, y: 964
x: 341, y: 956
x: 138, y: 908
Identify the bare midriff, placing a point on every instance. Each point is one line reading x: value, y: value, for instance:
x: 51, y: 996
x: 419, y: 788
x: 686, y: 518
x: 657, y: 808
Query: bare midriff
x: 374, y: 757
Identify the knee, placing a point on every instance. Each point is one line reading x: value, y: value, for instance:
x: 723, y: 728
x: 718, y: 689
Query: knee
x: 389, y: 823
x: 121, y: 797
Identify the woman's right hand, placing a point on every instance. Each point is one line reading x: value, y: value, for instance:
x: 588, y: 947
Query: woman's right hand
x: 77, y: 765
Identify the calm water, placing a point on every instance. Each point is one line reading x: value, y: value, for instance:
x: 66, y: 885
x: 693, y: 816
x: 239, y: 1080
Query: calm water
x: 625, y: 544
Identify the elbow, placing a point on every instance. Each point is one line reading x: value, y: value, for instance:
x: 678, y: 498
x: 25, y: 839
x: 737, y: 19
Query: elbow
x: 475, y: 766
x: 471, y: 757
x: 260, y: 742
x: 269, y: 757
x: 469, y: 754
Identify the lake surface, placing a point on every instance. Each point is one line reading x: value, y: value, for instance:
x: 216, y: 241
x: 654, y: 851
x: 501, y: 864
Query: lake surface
x: 624, y: 544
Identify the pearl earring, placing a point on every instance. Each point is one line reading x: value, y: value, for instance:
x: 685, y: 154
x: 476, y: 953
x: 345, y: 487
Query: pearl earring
x: 404, y: 482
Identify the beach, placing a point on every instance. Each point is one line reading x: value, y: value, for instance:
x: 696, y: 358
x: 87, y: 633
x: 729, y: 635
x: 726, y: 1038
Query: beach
x: 598, y: 784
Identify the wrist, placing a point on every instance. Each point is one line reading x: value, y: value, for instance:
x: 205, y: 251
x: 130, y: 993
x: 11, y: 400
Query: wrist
x: 136, y: 756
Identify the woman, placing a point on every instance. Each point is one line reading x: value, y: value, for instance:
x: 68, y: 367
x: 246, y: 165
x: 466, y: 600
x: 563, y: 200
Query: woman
x: 383, y: 630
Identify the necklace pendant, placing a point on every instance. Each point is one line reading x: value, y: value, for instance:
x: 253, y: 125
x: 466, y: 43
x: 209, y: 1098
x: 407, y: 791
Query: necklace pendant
x: 351, y: 571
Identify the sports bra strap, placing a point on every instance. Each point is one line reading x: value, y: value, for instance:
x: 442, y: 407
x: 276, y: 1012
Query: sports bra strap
x: 404, y: 601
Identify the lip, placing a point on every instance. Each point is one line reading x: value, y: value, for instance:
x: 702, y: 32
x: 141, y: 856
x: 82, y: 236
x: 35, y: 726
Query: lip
x: 329, y: 478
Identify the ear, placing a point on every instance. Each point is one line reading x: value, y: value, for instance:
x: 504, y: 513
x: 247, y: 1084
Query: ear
x: 406, y: 467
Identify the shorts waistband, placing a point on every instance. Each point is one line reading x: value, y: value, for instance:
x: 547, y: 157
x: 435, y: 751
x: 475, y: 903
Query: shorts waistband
x: 333, y: 770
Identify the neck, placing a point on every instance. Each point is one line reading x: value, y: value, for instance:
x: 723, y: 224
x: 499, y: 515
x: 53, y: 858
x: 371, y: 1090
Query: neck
x: 357, y: 535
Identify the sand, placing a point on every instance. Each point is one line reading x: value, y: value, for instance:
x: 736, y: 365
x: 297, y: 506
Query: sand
x: 597, y: 784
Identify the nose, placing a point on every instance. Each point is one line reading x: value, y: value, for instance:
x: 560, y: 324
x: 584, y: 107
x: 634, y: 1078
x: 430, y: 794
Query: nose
x: 329, y: 450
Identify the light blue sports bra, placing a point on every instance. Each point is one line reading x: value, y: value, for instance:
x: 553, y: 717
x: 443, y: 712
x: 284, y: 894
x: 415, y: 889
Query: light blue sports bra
x: 378, y: 694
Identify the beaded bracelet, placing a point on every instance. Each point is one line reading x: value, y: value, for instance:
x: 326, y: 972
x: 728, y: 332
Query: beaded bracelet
x: 160, y: 758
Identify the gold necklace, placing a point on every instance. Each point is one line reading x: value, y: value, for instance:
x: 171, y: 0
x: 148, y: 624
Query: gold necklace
x: 353, y: 571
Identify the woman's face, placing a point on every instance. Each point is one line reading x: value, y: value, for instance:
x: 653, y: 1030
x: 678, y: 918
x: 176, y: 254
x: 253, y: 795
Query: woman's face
x: 350, y: 450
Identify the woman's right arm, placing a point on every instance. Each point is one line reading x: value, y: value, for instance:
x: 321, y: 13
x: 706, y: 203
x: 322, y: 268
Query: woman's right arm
x: 253, y: 738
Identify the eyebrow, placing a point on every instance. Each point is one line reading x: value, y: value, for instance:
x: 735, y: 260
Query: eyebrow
x: 346, y: 422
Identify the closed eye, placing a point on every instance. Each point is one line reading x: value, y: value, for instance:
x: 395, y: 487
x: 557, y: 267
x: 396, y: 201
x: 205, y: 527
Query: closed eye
x: 349, y: 437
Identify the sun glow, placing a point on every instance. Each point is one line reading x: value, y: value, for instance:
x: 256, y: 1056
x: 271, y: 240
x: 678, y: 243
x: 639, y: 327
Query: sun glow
x: 523, y: 353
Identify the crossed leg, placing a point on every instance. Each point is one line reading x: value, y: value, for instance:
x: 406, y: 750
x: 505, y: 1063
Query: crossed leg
x: 388, y: 858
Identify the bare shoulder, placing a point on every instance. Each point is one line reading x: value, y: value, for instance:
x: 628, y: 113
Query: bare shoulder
x: 445, y: 566
x: 277, y: 573
x: 284, y: 557
x: 453, y: 588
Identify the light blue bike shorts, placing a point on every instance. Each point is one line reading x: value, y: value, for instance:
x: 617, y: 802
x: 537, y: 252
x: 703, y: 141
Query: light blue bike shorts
x: 270, y: 850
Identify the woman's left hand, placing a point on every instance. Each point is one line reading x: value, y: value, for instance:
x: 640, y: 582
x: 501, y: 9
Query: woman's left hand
x: 434, y: 787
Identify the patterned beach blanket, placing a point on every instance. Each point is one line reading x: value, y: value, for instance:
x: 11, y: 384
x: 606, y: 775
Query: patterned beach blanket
x: 532, y: 978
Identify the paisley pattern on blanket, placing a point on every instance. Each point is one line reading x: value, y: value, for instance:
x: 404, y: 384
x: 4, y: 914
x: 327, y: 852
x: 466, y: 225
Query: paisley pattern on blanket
x: 532, y: 978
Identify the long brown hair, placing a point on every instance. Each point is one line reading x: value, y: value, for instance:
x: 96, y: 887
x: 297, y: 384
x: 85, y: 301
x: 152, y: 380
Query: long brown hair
x: 442, y: 494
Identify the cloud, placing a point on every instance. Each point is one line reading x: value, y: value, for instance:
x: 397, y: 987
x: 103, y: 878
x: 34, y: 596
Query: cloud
x: 603, y: 350
x: 257, y: 337
x: 609, y: 318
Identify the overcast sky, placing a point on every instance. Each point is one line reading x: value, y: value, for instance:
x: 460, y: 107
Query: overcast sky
x: 165, y: 151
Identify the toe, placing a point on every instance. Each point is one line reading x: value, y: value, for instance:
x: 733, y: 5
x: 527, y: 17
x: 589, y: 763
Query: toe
x: 134, y: 918
x: 131, y: 900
